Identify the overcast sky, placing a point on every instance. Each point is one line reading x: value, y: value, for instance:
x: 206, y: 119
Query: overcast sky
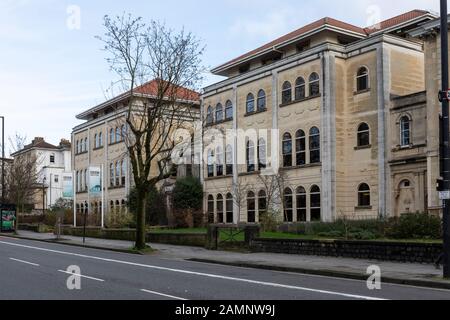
x: 51, y: 70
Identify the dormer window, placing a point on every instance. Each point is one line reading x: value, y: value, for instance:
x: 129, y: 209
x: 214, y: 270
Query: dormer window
x: 52, y: 158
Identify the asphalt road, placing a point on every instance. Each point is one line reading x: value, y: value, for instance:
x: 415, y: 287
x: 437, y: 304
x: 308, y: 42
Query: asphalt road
x: 36, y: 270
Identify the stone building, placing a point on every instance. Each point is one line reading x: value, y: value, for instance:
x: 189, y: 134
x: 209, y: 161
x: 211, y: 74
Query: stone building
x: 352, y: 134
x: 100, y: 142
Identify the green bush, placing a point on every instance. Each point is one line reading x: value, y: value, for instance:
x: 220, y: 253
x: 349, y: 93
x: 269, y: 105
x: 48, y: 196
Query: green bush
x: 156, y: 213
x: 188, y: 194
x: 415, y: 226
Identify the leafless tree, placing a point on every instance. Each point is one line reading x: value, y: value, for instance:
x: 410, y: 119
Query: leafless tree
x: 274, y: 185
x: 153, y: 58
x: 22, y: 176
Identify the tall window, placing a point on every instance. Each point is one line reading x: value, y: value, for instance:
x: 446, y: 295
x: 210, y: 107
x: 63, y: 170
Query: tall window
x: 314, y: 84
x: 316, y: 210
x: 220, y: 209
x: 300, y: 148
x: 229, y: 207
x: 300, y: 91
x: 118, y: 135
x: 111, y: 174
x: 85, y: 180
x: 362, y: 79
x: 117, y: 173
x: 286, y: 93
x: 250, y: 104
x: 363, y: 135
x: 405, y: 131
x: 112, y: 136
x: 211, y: 209
x: 364, y: 195
x: 219, y: 113
x: 96, y: 141
x: 250, y: 156
x: 52, y: 158
x: 123, y: 132
x: 229, y: 110
x: 77, y: 147
x: 100, y: 139
x: 314, y: 145
x: 288, y: 205
x: 261, y: 100
x: 86, y: 145
x: 251, y: 207
x: 229, y: 160
x: 210, y: 163
x: 124, y: 172
x: 262, y: 154
x: 287, y: 150
x: 301, y: 204
x: 262, y: 203
x: 209, y: 116
x: 219, y: 161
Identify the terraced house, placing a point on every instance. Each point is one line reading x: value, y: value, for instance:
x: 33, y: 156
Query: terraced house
x: 350, y: 108
x: 100, y: 142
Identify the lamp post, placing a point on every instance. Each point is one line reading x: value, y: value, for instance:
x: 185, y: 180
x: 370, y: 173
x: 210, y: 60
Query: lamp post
x: 43, y: 195
x: 84, y: 226
x: 445, y: 156
x: 3, y: 159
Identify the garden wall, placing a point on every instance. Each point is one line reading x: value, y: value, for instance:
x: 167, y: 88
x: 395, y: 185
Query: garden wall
x: 374, y: 250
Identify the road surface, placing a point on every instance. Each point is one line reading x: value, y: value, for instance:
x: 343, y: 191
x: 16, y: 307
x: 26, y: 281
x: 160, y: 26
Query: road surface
x: 37, y: 270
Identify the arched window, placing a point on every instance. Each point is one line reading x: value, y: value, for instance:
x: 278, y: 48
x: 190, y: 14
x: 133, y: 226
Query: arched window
x: 287, y: 150
x: 117, y: 173
x: 209, y: 116
x: 314, y: 85
x: 219, y: 161
x: 118, y: 135
x: 111, y: 174
x: 250, y: 156
x: 118, y: 208
x: 363, y: 135
x: 364, y: 195
x: 220, y: 209
x: 262, y: 203
x: 405, y: 131
x: 96, y: 141
x: 314, y: 145
x: 261, y: 100
x: 77, y: 147
x: 229, y: 207
x: 300, y: 91
x: 211, y: 209
x: 301, y: 205
x: 362, y: 79
x: 251, y: 207
x: 124, y: 172
x: 86, y: 144
x: 262, y: 154
x: 405, y: 184
x: 211, y: 163
x: 286, y: 93
x: 219, y: 113
x: 229, y: 160
x: 123, y: 132
x: 250, y: 104
x: 85, y: 180
x: 100, y: 139
x: 288, y: 205
x: 300, y: 148
x: 229, y: 110
x: 112, y: 136
x: 316, y: 210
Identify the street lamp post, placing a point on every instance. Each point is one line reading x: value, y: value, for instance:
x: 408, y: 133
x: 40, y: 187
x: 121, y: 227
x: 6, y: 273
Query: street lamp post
x: 3, y: 159
x: 445, y: 156
x: 43, y: 195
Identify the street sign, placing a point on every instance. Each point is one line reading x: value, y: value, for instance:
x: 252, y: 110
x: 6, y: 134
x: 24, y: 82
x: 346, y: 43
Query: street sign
x: 444, y: 195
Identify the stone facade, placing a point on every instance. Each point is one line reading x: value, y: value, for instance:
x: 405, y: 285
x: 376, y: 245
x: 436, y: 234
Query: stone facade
x: 361, y: 145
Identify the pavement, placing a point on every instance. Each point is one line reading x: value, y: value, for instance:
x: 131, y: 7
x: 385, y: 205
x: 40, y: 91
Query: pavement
x: 421, y: 275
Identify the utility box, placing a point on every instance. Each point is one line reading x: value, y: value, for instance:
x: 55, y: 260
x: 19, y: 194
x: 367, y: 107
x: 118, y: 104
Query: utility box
x: 8, y: 218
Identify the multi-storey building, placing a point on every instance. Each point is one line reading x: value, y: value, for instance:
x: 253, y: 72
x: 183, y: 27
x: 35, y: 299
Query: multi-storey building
x: 349, y: 111
x: 100, y: 142
x: 52, y: 162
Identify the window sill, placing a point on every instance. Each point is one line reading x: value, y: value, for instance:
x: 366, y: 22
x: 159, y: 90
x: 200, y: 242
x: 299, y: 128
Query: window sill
x: 81, y: 153
x: 311, y: 165
x: 218, y: 122
x: 283, y: 105
x: 116, y: 187
x: 115, y: 143
x: 253, y: 173
x: 218, y: 177
x: 361, y: 208
x: 82, y: 192
x: 363, y: 147
x: 361, y: 91
x: 255, y: 113
x: 97, y: 149
x: 409, y: 147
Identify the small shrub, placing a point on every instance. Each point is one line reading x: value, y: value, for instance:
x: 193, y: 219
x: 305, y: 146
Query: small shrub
x: 415, y: 226
x: 269, y: 222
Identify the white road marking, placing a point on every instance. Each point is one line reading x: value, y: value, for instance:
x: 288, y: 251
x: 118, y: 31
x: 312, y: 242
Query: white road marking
x: 81, y: 276
x: 207, y: 275
x: 163, y: 295
x: 26, y: 262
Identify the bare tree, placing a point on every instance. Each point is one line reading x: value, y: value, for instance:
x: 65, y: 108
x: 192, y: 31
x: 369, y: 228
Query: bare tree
x: 153, y: 59
x: 22, y: 176
x: 274, y: 185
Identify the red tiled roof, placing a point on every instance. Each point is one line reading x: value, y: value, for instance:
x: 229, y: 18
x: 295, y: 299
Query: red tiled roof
x: 334, y: 23
x: 151, y: 88
x: 396, y: 21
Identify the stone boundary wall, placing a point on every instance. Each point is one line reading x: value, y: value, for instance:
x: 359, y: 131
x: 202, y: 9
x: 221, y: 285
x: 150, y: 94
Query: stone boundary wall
x: 375, y: 250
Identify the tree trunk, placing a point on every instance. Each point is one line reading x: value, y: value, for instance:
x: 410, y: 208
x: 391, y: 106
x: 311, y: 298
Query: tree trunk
x: 140, y: 221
